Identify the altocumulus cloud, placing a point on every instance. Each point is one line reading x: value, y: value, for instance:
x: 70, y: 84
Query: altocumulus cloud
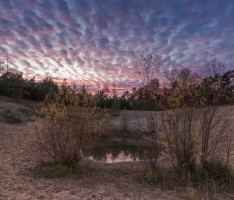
x: 97, y: 42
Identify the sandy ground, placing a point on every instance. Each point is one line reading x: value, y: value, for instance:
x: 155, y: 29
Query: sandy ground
x: 118, y: 181
x: 104, y: 181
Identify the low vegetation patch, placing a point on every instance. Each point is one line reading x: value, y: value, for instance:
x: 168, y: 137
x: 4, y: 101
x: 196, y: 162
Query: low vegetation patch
x: 65, y: 131
x: 52, y: 170
x: 11, y: 118
x: 218, y: 174
x: 151, y: 178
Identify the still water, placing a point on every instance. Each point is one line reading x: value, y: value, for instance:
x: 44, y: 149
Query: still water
x: 117, y: 149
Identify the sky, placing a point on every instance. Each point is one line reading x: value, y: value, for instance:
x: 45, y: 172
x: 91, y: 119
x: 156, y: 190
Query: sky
x: 98, y: 42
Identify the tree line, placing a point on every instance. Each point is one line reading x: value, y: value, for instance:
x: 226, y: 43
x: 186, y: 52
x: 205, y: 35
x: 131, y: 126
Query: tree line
x: 182, y: 87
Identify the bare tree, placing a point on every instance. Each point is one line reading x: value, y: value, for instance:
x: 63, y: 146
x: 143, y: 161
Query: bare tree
x: 147, y: 67
x: 213, y: 66
x: 181, y: 77
x: 4, y: 64
x: 1, y: 64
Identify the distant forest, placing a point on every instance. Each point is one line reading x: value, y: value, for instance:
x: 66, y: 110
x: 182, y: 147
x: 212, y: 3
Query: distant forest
x: 182, y: 88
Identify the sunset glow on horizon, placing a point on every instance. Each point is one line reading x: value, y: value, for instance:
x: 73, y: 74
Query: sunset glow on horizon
x: 97, y: 43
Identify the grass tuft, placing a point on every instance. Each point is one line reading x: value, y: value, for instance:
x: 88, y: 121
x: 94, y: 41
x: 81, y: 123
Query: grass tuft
x: 55, y: 171
x: 216, y: 173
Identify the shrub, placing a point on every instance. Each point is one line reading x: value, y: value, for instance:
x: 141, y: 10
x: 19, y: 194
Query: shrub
x: 12, y: 84
x: 213, y: 178
x: 12, y: 119
x: 180, y: 137
x: 65, y: 131
x: 215, y: 138
x: 149, y: 125
x: 151, y: 178
x: 218, y: 172
x: 115, y: 105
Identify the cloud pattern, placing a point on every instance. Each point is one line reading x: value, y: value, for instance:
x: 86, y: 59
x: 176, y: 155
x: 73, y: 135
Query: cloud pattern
x: 97, y: 42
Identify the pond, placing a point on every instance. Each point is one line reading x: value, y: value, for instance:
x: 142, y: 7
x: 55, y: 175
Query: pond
x: 117, y: 149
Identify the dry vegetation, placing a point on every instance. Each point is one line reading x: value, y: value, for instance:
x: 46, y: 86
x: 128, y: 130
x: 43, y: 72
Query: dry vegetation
x: 22, y: 177
x: 63, y: 130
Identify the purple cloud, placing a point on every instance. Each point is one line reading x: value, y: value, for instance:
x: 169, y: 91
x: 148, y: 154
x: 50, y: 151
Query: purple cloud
x: 97, y: 42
